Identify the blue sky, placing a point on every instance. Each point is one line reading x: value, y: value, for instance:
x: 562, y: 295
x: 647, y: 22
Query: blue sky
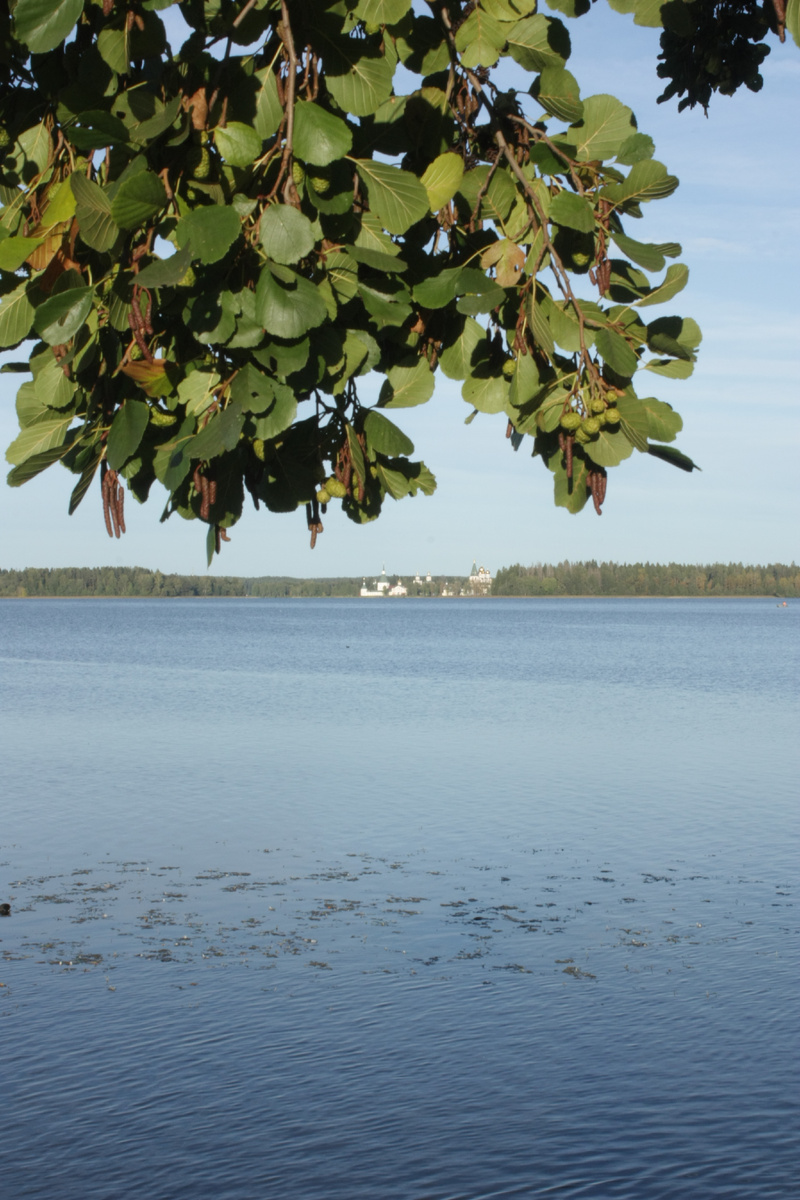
x: 736, y: 216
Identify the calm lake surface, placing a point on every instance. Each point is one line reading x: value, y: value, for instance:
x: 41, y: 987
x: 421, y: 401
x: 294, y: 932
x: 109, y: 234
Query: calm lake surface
x: 416, y: 899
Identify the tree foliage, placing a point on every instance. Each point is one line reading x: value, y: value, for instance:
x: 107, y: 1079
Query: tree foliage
x: 210, y: 246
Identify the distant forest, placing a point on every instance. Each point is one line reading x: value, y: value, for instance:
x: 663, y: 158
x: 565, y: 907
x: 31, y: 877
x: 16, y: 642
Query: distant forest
x: 137, y: 581
x: 647, y: 579
x: 565, y: 579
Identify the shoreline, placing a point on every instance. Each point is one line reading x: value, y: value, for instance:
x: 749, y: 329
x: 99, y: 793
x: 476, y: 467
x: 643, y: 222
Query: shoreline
x: 563, y: 596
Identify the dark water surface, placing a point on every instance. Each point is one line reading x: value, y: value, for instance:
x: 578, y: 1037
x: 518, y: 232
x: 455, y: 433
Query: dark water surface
x: 441, y: 900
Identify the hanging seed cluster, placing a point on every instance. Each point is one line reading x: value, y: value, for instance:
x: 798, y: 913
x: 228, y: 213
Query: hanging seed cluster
x: 113, y: 502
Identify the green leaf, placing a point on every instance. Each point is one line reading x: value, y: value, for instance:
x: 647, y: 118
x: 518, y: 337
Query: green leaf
x: 606, y: 125
x: 793, y: 19
x: 386, y: 307
x: 636, y: 148
x: 498, y: 197
x: 456, y: 359
x: 635, y: 422
x: 617, y: 352
x: 211, y: 230
x: 674, y: 457
x: 220, y: 434
x: 486, y: 392
x: 672, y: 368
x: 87, y: 475
x: 397, y: 483
x: 609, y: 448
x: 570, y: 8
x: 284, y: 358
x: 60, y: 205
x: 397, y: 197
x: 16, y: 316
x: 663, y: 423
x: 252, y: 390
x: 238, y: 144
x: 674, y: 281
x: 213, y: 317
x: 539, y: 42
x: 127, y: 430
x: 286, y: 234
x: 52, y: 387
x: 662, y: 343
x: 114, y: 48
x: 647, y: 255
x: 573, y: 493
x: 172, y: 461
x: 43, y: 24
x: 166, y: 272
x: 34, y: 465
x: 437, y: 291
x: 320, y: 138
x: 37, y: 438
x: 524, y: 381
x: 30, y: 154
x: 407, y: 385
x: 60, y: 317
x: 573, y: 211
x: 404, y: 478
x: 280, y: 416
x: 539, y: 305
x: 97, y: 129
x: 269, y: 110
x: 482, y: 300
x: 93, y: 210
x: 480, y: 39
x: 441, y: 179
x: 249, y: 333
x: 14, y: 251
x: 358, y: 81
x: 382, y: 12
x: 29, y: 405
x: 565, y: 327
x: 288, y: 311
x: 646, y: 12
x: 147, y: 131
x: 196, y: 391
x: 384, y: 437
x: 138, y: 198
x: 378, y: 259
x: 683, y: 334
x: 356, y: 453
x: 558, y: 92
x: 646, y: 181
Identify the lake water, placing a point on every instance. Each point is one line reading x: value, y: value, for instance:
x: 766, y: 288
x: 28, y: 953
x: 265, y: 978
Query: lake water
x: 426, y: 900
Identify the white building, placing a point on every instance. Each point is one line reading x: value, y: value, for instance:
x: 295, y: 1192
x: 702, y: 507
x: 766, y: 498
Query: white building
x: 480, y: 581
x: 383, y: 587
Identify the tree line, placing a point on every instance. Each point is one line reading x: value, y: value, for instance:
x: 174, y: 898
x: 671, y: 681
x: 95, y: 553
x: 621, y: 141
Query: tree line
x: 563, y: 579
x: 647, y: 579
x: 140, y: 582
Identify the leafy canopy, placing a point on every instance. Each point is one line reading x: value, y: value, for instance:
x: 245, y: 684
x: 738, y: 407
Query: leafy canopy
x: 207, y: 246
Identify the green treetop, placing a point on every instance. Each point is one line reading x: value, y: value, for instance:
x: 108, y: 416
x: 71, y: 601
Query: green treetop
x: 206, y: 247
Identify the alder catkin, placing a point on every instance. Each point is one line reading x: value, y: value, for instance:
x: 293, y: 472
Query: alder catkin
x: 106, y: 507
x: 205, y: 501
